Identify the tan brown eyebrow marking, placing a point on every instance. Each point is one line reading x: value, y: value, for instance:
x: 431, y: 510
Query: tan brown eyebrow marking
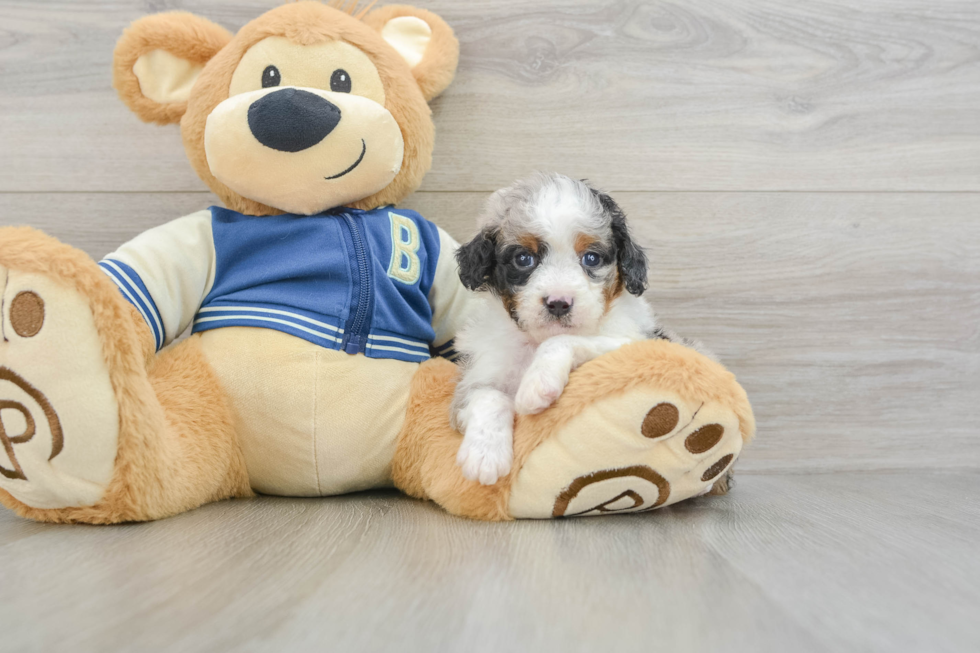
x: 613, y: 289
x: 529, y: 242
x: 583, y: 242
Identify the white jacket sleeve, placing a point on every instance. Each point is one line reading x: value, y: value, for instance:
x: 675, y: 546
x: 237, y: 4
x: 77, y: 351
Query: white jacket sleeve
x: 450, y: 301
x: 166, y: 273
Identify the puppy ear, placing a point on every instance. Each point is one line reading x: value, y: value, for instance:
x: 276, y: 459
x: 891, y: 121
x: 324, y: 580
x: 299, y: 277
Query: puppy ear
x: 158, y: 59
x: 424, y: 41
x: 477, y: 259
x: 631, y: 260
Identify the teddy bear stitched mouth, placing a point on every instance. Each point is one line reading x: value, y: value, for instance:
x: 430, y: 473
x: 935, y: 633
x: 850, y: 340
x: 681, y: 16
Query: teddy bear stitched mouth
x: 354, y: 165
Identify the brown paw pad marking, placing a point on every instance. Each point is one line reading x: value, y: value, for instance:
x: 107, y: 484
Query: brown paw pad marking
x: 704, y: 438
x: 619, y: 500
x: 27, y: 314
x: 661, y: 420
x: 717, y: 468
x: 8, y: 441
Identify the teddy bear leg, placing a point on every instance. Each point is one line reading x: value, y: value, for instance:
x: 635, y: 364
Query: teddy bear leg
x: 95, y: 428
x: 645, y: 426
x: 425, y: 466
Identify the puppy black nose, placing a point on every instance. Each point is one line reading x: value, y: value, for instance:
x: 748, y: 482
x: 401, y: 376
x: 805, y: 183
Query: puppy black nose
x: 292, y: 120
x: 558, y: 307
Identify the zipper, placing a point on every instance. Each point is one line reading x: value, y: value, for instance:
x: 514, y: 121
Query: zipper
x: 355, y: 331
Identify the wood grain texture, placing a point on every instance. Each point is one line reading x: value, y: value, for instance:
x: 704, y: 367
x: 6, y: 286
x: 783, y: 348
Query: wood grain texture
x: 835, y: 562
x: 700, y: 95
x: 850, y: 318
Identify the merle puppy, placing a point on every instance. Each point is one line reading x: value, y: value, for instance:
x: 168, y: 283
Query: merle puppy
x: 563, y: 281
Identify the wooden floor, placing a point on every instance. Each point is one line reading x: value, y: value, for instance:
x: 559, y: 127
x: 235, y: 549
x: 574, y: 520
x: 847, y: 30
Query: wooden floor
x: 806, y: 178
x: 862, y: 561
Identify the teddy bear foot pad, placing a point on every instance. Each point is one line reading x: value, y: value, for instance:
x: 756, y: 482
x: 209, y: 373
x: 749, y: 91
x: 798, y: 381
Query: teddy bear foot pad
x: 58, y: 412
x: 630, y: 452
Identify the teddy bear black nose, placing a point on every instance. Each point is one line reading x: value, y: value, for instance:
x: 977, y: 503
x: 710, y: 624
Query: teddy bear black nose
x: 292, y: 120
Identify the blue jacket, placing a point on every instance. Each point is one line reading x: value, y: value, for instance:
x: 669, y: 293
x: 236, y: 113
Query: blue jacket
x: 351, y: 280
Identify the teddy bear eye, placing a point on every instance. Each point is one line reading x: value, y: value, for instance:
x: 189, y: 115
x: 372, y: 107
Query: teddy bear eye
x: 340, y: 81
x: 271, y: 77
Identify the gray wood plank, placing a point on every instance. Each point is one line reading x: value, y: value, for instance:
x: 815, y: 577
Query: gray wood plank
x: 834, y: 562
x: 702, y: 95
x: 98, y: 222
x: 850, y: 318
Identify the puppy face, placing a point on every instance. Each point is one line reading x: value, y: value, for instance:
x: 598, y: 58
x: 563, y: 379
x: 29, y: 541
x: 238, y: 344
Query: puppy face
x: 556, y: 252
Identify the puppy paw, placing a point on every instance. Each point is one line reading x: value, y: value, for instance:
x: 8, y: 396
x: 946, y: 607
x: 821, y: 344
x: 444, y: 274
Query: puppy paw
x: 538, y: 390
x: 486, y: 453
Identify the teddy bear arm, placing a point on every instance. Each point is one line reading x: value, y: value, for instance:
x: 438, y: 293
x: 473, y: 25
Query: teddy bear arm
x: 165, y: 274
x: 451, y: 303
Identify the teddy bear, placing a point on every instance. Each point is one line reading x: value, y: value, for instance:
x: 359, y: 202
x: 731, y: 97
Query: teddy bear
x: 321, y: 315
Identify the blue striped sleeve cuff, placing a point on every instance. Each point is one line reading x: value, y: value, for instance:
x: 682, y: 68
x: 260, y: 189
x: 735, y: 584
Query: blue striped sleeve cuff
x: 135, y: 292
x: 382, y: 345
x: 446, y: 350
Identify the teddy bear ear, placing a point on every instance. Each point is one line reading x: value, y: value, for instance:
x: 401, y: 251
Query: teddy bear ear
x: 158, y: 59
x: 424, y: 40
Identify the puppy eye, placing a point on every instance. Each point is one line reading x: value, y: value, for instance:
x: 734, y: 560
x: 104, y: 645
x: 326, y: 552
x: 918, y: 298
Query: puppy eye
x: 524, y: 260
x: 340, y: 81
x: 271, y: 77
x: 591, y: 259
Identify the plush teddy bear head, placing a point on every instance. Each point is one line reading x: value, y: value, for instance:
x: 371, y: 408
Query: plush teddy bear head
x: 307, y: 108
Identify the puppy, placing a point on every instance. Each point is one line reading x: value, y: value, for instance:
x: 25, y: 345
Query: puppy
x: 555, y: 257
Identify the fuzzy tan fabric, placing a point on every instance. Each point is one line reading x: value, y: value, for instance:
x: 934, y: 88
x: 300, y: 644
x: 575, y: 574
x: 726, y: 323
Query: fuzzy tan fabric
x: 653, y: 363
x: 438, y: 66
x: 183, y: 35
x: 425, y: 461
x: 176, y: 447
x: 304, y: 23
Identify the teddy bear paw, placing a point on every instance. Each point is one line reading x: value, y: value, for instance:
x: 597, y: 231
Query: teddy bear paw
x: 58, y: 411
x: 630, y: 452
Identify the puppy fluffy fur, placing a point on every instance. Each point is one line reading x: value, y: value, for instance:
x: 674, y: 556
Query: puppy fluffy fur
x: 563, y: 280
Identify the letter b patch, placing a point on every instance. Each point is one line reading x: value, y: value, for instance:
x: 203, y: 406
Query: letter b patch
x: 405, y: 240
